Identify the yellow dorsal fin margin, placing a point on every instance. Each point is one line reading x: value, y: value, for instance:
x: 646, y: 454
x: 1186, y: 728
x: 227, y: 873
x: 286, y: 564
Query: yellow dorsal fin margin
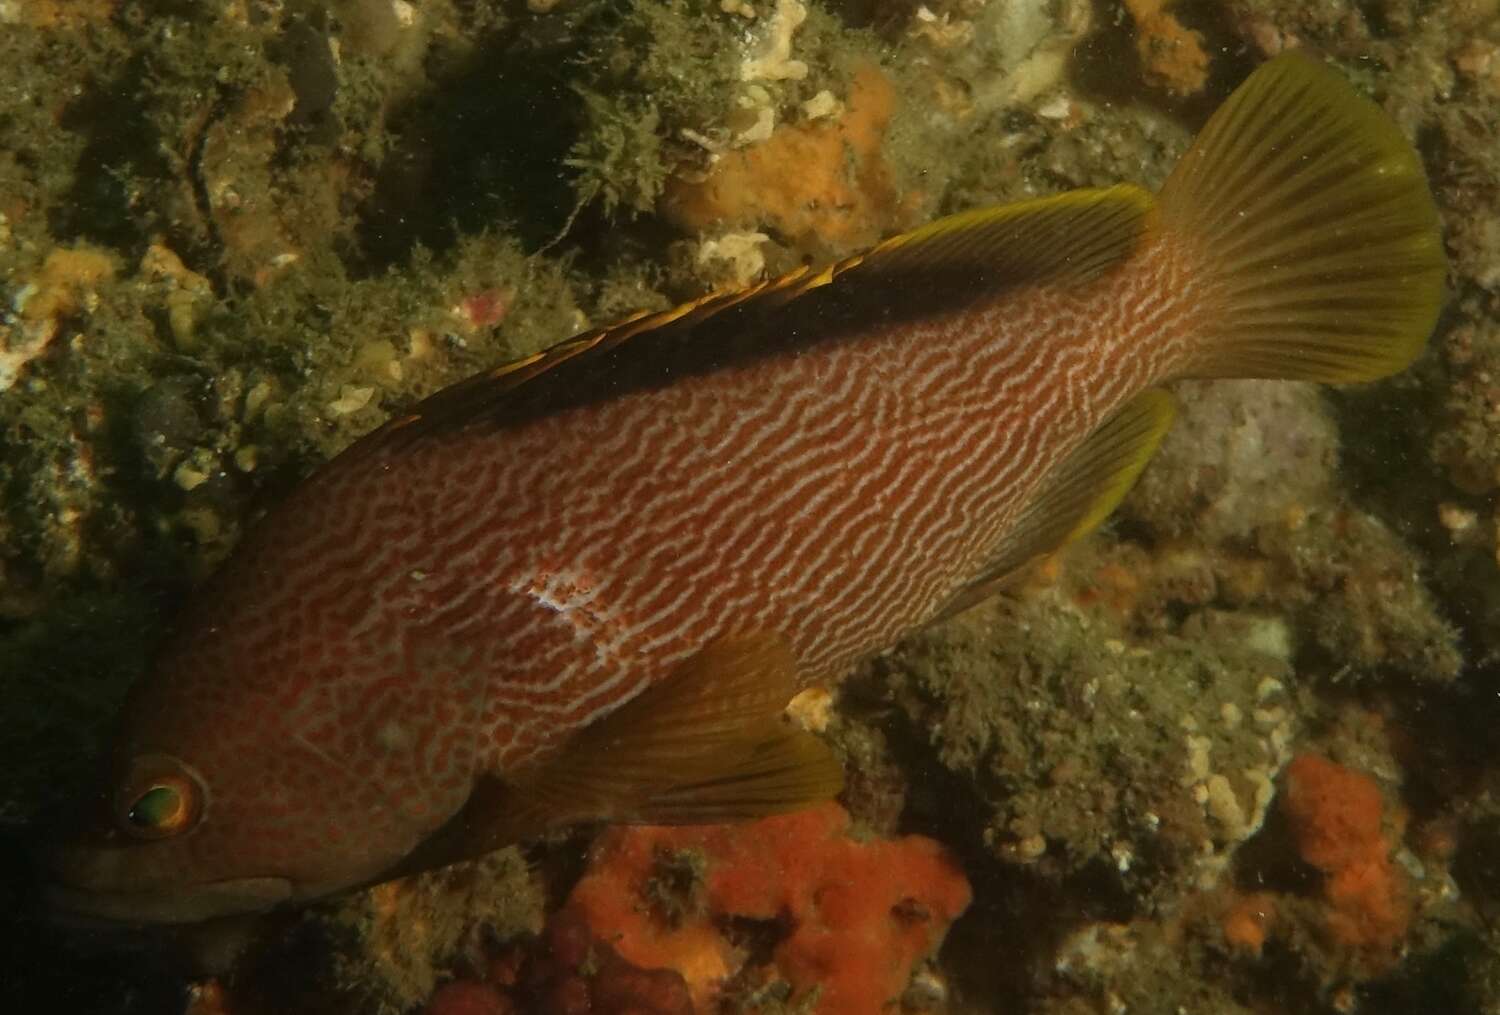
x: 1072, y: 237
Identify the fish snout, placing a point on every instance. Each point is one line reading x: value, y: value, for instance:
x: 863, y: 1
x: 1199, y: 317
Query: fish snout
x: 89, y: 874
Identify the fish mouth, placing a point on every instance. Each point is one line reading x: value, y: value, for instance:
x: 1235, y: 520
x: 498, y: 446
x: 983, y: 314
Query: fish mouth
x: 90, y: 908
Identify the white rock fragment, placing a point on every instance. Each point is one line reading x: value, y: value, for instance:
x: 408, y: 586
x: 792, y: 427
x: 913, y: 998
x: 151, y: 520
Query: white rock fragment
x: 1198, y: 759
x: 740, y: 250
x: 1224, y: 807
x: 710, y: 144
x: 23, y: 296
x: 1095, y: 949
x: 1059, y: 107
x: 420, y: 345
x: 351, y: 399
x: 1269, y: 636
x: 822, y: 105
x: 20, y: 345
x: 774, y: 61
x: 188, y: 477
x: 1033, y: 43
x: 757, y: 102
x: 940, y: 29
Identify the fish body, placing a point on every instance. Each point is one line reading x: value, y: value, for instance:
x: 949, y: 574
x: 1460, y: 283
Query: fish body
x: 839, y: 496
x: 565, y: 589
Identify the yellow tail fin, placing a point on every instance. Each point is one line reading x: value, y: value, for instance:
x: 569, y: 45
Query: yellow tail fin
x: 1318, y: 231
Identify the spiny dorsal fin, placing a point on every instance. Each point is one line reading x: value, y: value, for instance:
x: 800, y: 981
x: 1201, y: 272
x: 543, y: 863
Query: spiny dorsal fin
x: 1076, y: 495
x: 936, y: 269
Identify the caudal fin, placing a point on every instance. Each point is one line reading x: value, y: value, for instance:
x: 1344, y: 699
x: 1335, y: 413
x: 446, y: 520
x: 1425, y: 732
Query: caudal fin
x: 1312, y: 217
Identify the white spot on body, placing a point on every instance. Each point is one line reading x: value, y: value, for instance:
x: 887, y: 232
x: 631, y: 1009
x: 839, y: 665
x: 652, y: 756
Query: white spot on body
x: 392, y: 737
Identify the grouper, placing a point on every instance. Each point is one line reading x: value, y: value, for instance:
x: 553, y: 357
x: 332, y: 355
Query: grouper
x: 583, y: 586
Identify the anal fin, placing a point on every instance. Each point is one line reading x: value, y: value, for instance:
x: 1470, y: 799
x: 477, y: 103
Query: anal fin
x: 1077, y: 494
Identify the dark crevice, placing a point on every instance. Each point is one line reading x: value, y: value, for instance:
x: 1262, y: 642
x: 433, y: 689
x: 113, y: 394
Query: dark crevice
x: 483, y: 150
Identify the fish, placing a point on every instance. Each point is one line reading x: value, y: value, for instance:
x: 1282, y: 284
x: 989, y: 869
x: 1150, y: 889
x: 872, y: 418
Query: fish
x: 583, y: 586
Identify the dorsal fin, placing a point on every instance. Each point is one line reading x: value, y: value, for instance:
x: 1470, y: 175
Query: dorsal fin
x: 937, y: 269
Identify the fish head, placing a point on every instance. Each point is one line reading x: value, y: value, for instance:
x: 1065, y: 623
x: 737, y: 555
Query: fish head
x: 250, y: 771
x: 141, y: 852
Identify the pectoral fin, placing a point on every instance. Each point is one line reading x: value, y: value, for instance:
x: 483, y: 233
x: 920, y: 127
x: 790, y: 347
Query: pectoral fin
x: 710, y: 743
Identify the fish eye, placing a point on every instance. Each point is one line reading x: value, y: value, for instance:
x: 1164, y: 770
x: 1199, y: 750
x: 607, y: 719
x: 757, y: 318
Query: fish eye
x: 161, y: 798
x: 161, y: 808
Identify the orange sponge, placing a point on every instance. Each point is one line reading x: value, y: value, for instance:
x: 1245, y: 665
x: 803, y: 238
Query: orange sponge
x: 852, y: 918
x: 1335, y: 814
x: 822, y: 187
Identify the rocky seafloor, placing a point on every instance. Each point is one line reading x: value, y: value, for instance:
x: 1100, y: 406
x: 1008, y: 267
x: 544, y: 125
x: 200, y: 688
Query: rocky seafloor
x: 1232, y: 754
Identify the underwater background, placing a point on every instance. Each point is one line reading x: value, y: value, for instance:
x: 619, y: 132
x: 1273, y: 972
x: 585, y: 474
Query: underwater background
x: 1233, y: 754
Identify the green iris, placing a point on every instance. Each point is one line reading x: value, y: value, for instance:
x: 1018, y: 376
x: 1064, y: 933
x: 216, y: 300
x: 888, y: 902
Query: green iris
x: 157, y: 809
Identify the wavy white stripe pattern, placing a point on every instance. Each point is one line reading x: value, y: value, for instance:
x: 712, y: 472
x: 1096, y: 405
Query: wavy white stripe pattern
x: 838, y: 496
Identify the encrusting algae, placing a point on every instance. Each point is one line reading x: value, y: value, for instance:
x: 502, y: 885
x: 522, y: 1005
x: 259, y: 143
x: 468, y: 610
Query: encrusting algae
x: 1102, y: 752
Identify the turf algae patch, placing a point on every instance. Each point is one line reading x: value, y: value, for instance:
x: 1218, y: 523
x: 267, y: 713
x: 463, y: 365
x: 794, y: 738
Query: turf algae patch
x: 1085, y: 752
x: 410, y: 935
x: 1249, y: 496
